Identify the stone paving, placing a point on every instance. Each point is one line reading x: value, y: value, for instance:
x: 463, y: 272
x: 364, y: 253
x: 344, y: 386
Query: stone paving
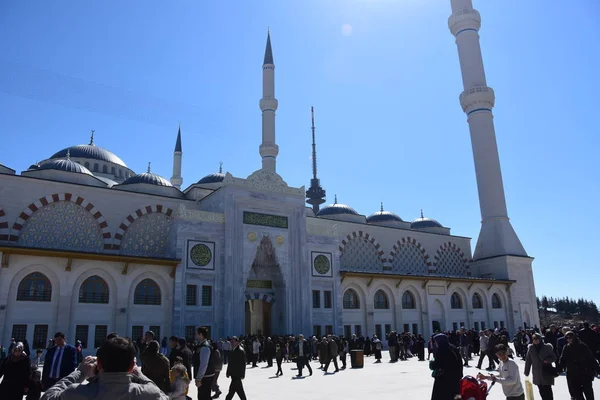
x: 405, y: 379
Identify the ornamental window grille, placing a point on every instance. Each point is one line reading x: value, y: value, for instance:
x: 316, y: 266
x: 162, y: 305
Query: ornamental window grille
x: 207, y: 296
x: 191, y: 295
x: 100, y: 333
x: 94, y: 290
x: 81, y: 334
x: 456, y: 301
x: 496, y: 303
x: 35, y: 287
x: 40, y: 335
x: 361, y: 255
x: 409, y: 259
x: 147, y: 236
x: 477, y: 302
x: 450, y: 262
x: 351, y: 301
x: 408, y: 301
x: 381, y: 300
x: 147, y: 292
x: 327, y: 301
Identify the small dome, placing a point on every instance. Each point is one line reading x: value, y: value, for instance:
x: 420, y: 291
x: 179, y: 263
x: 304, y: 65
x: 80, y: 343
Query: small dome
x: 34, y: 166
x: 336, y: 209
x: 217, y: 177
x: 62, y: 165
x: 90, y: 151
x: 147, y: 177
x: 425, y: 223
x: 383, y: 216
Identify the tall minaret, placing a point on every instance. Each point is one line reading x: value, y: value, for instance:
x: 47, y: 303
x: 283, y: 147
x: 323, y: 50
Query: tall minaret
x: 315, y: 194
x: 268, y: 104
x: 499, y: 252
x: 497, y: 236
x: 176, y: 179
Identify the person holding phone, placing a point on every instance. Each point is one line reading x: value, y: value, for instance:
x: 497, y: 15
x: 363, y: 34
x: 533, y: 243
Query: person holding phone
x: 508, y: 375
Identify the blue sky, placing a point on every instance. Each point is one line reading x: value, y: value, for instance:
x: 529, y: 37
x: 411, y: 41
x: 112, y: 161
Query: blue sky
x: 383, y: 76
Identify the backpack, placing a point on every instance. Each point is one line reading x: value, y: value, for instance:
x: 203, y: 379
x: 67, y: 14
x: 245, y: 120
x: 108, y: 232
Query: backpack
x: 473, y: 389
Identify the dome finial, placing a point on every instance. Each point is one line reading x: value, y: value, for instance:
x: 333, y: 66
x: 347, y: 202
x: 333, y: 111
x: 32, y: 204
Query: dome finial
x: 422, y: 214
x: 149, y: 164
x: 68, y: 154
x: 335, y: 199
x: 92, y: 138
x: 382, y: 206
x: 220, y: 167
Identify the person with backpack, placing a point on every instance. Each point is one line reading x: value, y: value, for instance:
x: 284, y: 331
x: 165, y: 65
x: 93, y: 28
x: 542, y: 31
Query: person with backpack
x: 508, y: 375
x: 447, y: 367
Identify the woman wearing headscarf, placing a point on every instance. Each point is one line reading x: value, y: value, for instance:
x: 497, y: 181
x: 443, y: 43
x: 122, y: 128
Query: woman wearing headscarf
x: 377, y: 346
x: 539, y: 361
x: 581, y: 366
x: 16, y: 372
x: 447, y: 366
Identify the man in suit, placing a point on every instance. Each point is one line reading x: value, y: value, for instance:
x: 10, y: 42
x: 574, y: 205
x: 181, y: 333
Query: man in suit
x: 303, y: 352
x: 59, y: 362
x: 236, y: 370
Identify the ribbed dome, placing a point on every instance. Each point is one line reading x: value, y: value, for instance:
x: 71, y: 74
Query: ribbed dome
x: 383, y: 216
x: 213, y: 178
x: 336, y: 209
x: 147, y: 177
x: 425, y: 223
x: 90, y: 151
x: 64, y: 165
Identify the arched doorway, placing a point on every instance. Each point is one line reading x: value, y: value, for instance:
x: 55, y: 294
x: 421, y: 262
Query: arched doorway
x: 438, y: 317
x: 258, y: 313
x: 265, y: 284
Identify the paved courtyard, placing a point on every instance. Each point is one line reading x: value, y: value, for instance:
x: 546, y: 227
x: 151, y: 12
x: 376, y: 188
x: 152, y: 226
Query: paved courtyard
x: 408, y: 379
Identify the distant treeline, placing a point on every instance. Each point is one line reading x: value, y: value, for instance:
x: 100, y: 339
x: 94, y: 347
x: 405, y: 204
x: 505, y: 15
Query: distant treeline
x: 566, y: 305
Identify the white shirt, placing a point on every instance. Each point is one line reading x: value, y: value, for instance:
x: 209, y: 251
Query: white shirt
x: 301, y: 348
x: 256, y: 347
x: 509, y: 378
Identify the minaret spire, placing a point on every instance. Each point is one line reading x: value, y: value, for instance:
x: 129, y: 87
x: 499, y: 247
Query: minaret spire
x: 497, y: 236
x: 176, y: 179
x: 315, y: 194
x: 268, y: 105
x: 92, y: 138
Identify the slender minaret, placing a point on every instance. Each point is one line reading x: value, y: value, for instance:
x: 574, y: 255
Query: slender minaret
x: 315, y: 193
x: 497, y: 236
x: 268, y: 104
x: 176, y: 179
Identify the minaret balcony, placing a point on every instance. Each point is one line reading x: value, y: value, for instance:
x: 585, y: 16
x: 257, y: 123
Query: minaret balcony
x: 467, y: 19
x: 479, y: 97
x: 268, y: 150
x: 267, y: 104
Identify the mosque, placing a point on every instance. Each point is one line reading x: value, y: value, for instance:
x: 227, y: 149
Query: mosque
x: 88, y: 246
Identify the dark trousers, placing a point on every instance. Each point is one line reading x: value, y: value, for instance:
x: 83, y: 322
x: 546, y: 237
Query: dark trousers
x: 225, y: 356
x: 343, y: 356
x: 580, y: 387
x: 421, y: 353
x: 215, y: 382
x: 269, y: 361
x: 482, y: 355
x: 546, y: 392
x: 204, y: 391
x: 236, y: 387
x: 254, y: 360
x: 301, y: 362
x: 521, y: 397
x: 279, y: 361
x: 335, y: 364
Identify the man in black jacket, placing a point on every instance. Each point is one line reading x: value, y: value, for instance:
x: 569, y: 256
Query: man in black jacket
x: 186, y: 354
x: 59, y: 362
x: 236, y: 369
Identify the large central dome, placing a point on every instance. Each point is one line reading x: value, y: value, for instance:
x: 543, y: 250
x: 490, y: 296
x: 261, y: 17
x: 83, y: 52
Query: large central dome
x: 89, y: 151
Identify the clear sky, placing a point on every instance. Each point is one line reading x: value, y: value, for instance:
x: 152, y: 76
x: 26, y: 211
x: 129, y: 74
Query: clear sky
x: 383, y: 76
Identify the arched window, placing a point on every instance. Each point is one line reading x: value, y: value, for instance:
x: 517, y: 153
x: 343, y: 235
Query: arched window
x: 381, y: 301
x: 147, y: 292
x: 351, y: 300
x: 477, y: 303
x: 35, y: 287
x: 456, y: 301
x: 408, y: 301
x: 113, y: 171
x: 96, y: 167
x: 120, y: 173
x: 104, y: 169
x: 94, y: 290
x: 496, y: 303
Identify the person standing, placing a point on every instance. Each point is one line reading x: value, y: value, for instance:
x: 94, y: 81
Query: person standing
x: 420, y: 343
x: 16, y: 372
x: 269, y: 351
x: 279, y: 359
x: 464, y: 346
x: 484, y: 341
x: 343, y: 351
x: 377, y: 348
x: 236, y: 369
x: 539, y: 360
x: 217, y: 360
x: 581, y: 366
x: 226, y: 350
x: 206, y: 370
x: 302, y: 350
x: 186, y: 355
x: 60, y: 361
x: 508, y: 375
x: 255, y: 352
x: 156, y: 366
x: 447, y: 367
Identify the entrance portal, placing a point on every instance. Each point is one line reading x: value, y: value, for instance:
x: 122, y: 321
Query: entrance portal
x: 258, y: 317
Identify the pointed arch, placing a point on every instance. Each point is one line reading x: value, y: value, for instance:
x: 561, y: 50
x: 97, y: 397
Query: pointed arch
x: 451, y: 260
x: 456, y: 301
x: 496, y: 301
x: 476, y: 301
x: 381, y: 300
x: 409, y: 256
x: 409, y: 301
x: 3, y: 226
x: 94, y: 290
x: 36, y: 286
x: 131, y: 218
x: 361, y: 252
x: 17, y: 227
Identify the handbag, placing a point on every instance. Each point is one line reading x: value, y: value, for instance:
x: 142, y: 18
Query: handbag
x: 528, y: 390
x: 549, y: 370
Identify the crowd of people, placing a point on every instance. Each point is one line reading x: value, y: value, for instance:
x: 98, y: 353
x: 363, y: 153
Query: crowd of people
x: 165, y: 369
